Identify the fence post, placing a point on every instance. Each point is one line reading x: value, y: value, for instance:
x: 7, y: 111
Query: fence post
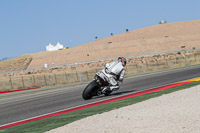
x: 67, y: 77
x: 31, y: 84
x: 10, y: 83
x: 140, y: 68
x: 166, y: 62
x: 194, y: 57
x: 136, y: 67
x: 185, y: 61
x: 33, y: 80
x: 79, y: 73
x: 55, y: 79
x: 86, y: 76
x: 49, y: 80
x: 23, y: 82
x: 45, y: 80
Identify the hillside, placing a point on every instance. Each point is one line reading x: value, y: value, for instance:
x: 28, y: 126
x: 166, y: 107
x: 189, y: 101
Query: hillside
x: 153, y: 39
x: 148, y: 40
x: 19, y: 63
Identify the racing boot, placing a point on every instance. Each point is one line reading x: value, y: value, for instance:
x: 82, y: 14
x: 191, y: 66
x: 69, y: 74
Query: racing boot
x: 114, y: 88
x: 105, y: 89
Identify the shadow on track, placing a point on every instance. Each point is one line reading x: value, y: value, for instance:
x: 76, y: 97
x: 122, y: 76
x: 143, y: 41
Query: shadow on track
x: 122, y: 92
x: 114, y: 94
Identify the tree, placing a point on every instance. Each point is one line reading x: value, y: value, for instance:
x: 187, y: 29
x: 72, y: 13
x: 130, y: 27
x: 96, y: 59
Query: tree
x: 126, y: 30
x: 111, y: 34
x: 96, y: 37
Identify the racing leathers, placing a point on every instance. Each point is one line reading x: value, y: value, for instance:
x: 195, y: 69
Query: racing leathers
x: 114, y: 72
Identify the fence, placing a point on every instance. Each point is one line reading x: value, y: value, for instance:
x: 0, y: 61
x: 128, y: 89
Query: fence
x: 134, y: 66
x: 65, y: 65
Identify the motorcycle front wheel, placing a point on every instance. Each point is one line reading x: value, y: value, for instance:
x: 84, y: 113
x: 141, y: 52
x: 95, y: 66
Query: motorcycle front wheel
x: 90, y: 90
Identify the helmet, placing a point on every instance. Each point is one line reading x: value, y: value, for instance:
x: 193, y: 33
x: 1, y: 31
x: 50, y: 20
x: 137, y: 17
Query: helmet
x: 122, y: 60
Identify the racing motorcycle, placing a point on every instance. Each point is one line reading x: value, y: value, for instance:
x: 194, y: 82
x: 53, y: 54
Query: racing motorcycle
x: 96, y: 87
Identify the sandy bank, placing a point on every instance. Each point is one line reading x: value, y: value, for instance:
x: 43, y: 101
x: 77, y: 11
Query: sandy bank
x: 178, y: 112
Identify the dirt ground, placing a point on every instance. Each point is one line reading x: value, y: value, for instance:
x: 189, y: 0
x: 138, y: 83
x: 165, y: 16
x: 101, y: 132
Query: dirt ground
x: 177, y: 112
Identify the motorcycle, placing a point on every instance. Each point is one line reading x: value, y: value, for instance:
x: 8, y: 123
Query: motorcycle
x: 97, y: 87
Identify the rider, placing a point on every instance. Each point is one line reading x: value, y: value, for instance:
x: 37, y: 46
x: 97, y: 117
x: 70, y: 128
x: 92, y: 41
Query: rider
x: 115, y: 72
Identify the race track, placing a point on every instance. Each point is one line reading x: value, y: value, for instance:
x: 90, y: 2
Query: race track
x: 22, y: 105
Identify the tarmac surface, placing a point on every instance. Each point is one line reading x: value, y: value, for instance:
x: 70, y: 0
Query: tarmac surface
x: 22, y: 105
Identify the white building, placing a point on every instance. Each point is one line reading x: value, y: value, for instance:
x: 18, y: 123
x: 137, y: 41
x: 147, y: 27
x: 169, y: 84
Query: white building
x: 51, y: 47
x: 59, y: 46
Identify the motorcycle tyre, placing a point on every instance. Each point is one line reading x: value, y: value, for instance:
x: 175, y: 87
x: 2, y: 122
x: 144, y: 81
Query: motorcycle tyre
x: 89, y: 90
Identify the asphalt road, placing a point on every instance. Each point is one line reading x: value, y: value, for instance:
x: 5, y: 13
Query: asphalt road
x: 22, y: 105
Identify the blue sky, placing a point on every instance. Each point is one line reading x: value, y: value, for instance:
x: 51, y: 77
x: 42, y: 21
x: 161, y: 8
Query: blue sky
x: 27, y: 26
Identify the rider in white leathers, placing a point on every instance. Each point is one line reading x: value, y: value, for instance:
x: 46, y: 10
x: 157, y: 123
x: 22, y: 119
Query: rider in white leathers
x: 114, y: 73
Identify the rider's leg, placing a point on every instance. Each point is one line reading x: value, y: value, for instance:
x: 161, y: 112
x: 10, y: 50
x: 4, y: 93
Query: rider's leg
x: 114, y: 84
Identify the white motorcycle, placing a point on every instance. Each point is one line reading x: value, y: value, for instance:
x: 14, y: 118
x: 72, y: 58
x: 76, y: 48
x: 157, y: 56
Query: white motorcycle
x: 97, y: 87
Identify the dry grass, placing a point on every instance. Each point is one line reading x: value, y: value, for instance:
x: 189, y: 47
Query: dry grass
x: 19, y: 63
